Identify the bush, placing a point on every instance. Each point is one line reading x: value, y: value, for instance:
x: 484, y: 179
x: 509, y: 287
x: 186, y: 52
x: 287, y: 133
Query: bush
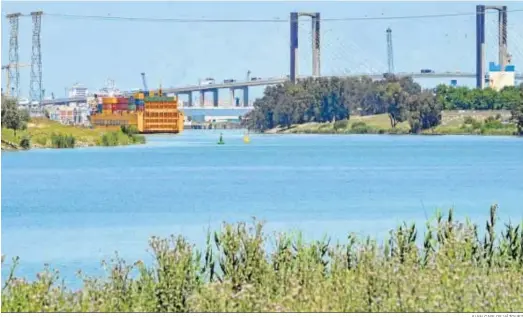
x: 138, y: 139
x: 341, y: 124
x: 493, y: 123
x: 112, y: 139
x: 469, y: 120
x: 120, y: 138
x: 62, y: 141
x: 129, y: 130
x: 25, y: 143
x: 360, y: 127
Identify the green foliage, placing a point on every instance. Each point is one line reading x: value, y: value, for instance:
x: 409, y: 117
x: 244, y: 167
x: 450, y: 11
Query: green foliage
x: 25, y: 143
x: 492, y: 125
x: 450, y: 268
x: 113, y: 139
x: 331, y: 99
x: 464, y: 98
x: 424, y: 111
x: 129, y: 129
x: 360, y: 127
x: 121, y: 138
x: 12, y: 117
x: 517, y: 117
x: 62, y: 141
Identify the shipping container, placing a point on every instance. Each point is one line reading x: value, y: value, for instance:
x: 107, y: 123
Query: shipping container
x: 131, y: 100
x: 121, y: 100
x: 120, y: 106
x: 146, y: 94
x: 109, y: 100
x: 139, y: 95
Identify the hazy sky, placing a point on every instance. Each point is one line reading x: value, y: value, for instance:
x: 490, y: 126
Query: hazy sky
x: 91, y: 50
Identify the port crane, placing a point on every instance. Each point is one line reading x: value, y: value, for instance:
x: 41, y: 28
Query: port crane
x: 144, y: 82
x: 8, y: 81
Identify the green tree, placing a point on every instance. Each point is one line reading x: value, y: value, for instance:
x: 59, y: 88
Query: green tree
x: 12, y: 117
x: 424, y: 111
x: 396, y: 99
x: 517, y: 117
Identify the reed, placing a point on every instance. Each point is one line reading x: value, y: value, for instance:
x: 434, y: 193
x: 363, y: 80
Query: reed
x: 450, y: 268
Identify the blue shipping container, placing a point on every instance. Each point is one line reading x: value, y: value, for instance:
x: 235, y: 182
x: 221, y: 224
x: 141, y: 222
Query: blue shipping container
x: 510, y: 68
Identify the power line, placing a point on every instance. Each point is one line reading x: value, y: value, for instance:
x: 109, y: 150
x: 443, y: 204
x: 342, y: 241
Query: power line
x: 273, y: 20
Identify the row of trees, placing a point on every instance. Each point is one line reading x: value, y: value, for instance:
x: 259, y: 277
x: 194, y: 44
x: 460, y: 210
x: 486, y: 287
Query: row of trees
x: 464, y: 98
x: 331, y: 99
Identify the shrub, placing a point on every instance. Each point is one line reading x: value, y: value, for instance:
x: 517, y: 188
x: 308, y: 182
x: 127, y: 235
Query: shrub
x: 360, y: 127
x: 25, y: 143
x: 129, y: 129
x: 469, y: 120
x: 341, y: 124
x: 62, y: 141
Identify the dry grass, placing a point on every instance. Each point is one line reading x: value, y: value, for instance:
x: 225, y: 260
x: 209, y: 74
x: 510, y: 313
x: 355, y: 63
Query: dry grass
x: 452, y: 122
x: 451, y: 269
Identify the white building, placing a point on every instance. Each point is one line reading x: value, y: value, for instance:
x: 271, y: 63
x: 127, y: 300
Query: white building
x: 78, y: 90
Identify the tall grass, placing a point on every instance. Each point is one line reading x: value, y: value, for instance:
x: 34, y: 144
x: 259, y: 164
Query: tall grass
x: 62, y: 141
x: 452, y: 269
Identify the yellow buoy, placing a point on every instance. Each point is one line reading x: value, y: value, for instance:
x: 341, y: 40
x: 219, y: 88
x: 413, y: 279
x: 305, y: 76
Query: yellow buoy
x: 246, y: 139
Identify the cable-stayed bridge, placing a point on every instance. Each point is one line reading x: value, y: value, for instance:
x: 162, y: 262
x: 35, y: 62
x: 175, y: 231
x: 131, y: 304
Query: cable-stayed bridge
x: 337, y: 56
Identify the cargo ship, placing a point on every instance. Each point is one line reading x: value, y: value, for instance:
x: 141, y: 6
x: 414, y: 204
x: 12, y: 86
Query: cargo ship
x: 149, y: 112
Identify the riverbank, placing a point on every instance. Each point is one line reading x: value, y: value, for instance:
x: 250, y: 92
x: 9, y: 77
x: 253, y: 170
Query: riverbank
x: 452, y: 123
x: 44, y: 133
x: 453, y: 270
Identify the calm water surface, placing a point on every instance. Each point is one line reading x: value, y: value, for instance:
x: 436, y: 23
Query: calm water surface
x: 73, y: 208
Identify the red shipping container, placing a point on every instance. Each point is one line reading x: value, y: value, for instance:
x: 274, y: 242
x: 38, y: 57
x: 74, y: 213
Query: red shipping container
x: 120, y: 106
x: 122, y: 100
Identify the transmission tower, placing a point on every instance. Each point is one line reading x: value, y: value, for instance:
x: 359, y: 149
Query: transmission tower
x: 13, y: 71
x: 36, y: 59
x: 390, y: 56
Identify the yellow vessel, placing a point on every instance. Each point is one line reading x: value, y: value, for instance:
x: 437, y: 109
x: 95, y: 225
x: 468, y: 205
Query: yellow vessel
x: 148, y: 114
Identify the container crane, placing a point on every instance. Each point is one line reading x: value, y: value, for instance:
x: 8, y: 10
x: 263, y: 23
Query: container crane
x: 8, y: 81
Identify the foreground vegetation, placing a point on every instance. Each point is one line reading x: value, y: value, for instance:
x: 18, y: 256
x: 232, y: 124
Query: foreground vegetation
x: 333, y: 103
x: 21, y: 132
x: 450, y: 269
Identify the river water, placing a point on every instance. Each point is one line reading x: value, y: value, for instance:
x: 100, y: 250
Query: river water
x: 74, y: 208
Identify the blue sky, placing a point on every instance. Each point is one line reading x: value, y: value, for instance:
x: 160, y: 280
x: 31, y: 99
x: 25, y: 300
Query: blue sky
x: 90, y: 51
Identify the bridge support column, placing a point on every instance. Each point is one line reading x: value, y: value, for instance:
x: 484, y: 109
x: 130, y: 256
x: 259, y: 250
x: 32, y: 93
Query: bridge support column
x: 245, y: 96
x: 503, y: 49
x: 231, y: 97
x: 480, y: 46
x: 294, y: 47
x: 316, y: 45
x: 202, y: 98
x: 189, y: 99
x: 215, y: 97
